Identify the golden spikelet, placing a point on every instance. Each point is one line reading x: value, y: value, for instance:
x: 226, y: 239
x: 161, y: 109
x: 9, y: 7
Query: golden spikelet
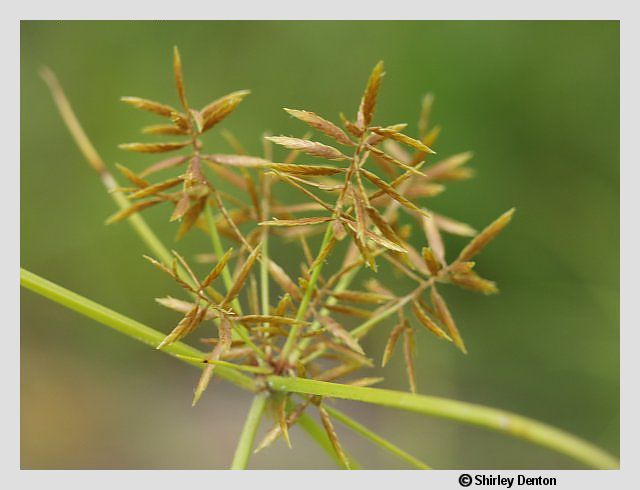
x: 370, y: 96
x: 442, y: 310
x: 309, y: 147
x: 149, y: 105
x: 154, y: 147
x: 485, y: 236
x: 322, y: 125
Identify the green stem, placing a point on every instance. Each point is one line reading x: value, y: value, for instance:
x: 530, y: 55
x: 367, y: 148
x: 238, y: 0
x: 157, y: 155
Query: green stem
x: 364, y: 328
x: 304, y: 304
x: 499, y: 420
x: 148, y: 336
x: 228, y: 282
x: 219, y: 251
x: 248, y: 435
x: 490, y: 418
x: 124, y: 325
x: 375, y: 438
x: 342, y: 284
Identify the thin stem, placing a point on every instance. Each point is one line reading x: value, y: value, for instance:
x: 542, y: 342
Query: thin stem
x: 499, y: 420
x: 375, y: 438
x: 490, y: 418
x: 228, y: 282
x: 219, y: 251
x: 304, y: 304
x: 248, y: 435
x: 148, y: 336
x: 264, y: 263
x: 95, y: 161
x: 342, y: 284
x: 124, y: 325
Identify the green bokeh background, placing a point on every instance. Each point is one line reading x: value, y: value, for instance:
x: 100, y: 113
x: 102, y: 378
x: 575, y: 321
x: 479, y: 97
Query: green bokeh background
x: 537, y: 102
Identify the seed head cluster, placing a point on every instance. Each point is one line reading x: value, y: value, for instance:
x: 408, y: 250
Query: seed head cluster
x: 365, y: 188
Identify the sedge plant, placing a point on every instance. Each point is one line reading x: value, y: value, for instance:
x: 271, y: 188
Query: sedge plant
x: 295, y: 337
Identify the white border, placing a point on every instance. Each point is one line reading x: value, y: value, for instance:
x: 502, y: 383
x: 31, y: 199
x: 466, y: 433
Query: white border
x: 322, y: 9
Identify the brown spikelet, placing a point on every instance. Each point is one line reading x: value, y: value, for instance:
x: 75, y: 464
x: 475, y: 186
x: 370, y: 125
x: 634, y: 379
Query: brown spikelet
x: 219, y: 112
x: 149, y: 105
x: 241, y: 277
x: 196, y: 120
x: 214, y: 106
x: 191, y: 320
x: 434, y: 238
x: 439, y: 170
x: 224, y: 333
x: 180, y: 306
x: 403, y: 138
x: 207, y: 373
x: 352, y: 128
x: 453, y: 226
x: 428, y: 139
x: 284, y: 281
x: 375, y: 139
x: 190, y: 217
x: 367, y: 381
x: 394, y: 194
x: 274, y: 320
x: 381, y: 155
x: 340, y: 333
x: 274, y: 433
x: 385, y: 228
x: 186, y: 267
x: 370, y: 97
x: 165, y: 129
x: 473, y: 282
x: 321, y: 124
x: 177, y: 73
x: 237, y: 160
x: 282, y: 419
x: 427, y: 322
x: 296, y: 222
x: 485, y: 236
x: 309, y: 147
x: 182, y: 206
x: 156, y: 188
x: 442, y: 310
x: 134, y: 208
x: 350, y: 311
x: 181, y: 121
x: 431, y: 261
x: 333, y: 436
x: 391, y: 343
x: 362, y: 297
x: 409, y: 353
x: 399, y: 180
x: 312, y: 170
x: 425, y: 113
x: 217, y: 270
x: 424, y: 189
x: 154, y: 147
x: 163, y: 165
x: 228, y: 175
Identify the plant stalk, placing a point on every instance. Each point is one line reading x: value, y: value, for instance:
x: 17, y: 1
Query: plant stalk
x: 491, y: 418
x: 248, y: 435
x: 304, y: 304
x: 375, y: 438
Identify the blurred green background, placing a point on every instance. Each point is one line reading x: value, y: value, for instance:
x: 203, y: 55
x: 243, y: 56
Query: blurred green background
x: 537, y: 102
